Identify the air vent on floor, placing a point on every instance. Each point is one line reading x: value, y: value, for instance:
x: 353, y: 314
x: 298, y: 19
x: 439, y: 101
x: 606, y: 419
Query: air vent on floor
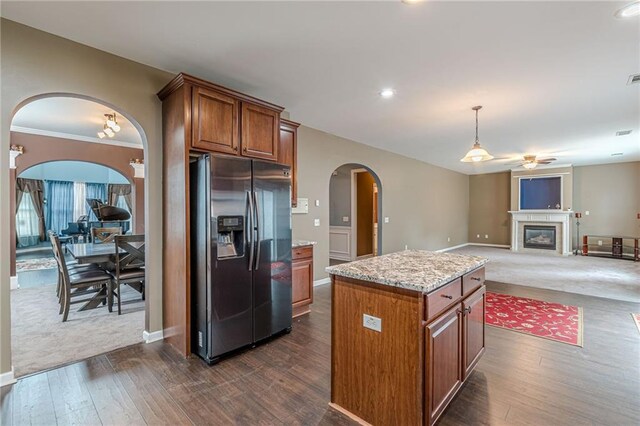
x: 633, y: 79
x: 623, y: 132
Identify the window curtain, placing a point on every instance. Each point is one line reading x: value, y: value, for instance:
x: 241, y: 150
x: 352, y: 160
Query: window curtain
x: 116, y: 191
x: 79, y: 199
x: 60, y: 204
x: 30, y: 221
x: 97, y: 191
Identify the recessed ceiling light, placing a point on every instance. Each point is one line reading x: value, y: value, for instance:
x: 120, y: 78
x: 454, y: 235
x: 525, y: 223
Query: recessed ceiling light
x: 411, y: 1
x: 633, y: 79
x: 387, y: 93
x: 617, y: 154
x: 623, y: 132
x: 629, y: 11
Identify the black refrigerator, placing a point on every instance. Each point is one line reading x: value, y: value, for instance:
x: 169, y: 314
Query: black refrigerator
x: 240, y: 253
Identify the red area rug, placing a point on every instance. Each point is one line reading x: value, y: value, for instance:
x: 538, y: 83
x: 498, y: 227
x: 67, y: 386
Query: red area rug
x: 636, y: 318
x: 554, y: 321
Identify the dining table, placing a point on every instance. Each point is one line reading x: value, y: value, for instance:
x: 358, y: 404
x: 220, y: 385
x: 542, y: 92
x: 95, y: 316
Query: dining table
x: 100, y: 253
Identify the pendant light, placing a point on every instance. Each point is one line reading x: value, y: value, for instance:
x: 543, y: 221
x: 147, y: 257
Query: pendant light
x: 477, y: 153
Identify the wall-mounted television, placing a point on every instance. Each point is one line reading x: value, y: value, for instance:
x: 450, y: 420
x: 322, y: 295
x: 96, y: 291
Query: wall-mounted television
x: 541, y: 193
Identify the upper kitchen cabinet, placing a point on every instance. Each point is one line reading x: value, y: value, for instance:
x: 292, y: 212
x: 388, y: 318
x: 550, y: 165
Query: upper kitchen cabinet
x: 215, y: 121
x: 288, y: 153
x: 260, y: 132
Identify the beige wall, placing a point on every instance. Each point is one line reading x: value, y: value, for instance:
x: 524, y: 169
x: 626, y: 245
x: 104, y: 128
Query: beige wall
x: 567, y: 184
x: 611, y: 193
x: 425, y: 204
x: 489, y: 204
x: 34, y: 63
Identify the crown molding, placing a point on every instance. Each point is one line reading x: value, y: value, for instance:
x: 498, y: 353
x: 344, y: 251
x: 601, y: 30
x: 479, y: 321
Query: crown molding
x: 114, y: 142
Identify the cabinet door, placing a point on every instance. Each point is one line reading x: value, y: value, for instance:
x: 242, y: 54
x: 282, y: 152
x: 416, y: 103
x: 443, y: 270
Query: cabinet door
x: 443, y: 358
x: 260, y: 132
x: 215, y: 121
x: 288, y: 154
x: 302, y: 282
x: 473, y: 323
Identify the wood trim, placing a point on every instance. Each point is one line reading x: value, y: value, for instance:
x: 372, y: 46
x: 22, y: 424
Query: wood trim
x: 183, y: 78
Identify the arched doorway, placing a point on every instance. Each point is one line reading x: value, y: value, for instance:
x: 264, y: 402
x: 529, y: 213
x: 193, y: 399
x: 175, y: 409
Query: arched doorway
x: 63, y: 129
x: 355, y: 213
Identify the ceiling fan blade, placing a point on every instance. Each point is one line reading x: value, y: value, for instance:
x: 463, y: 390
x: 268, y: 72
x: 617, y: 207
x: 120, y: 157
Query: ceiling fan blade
x: 517, y: 163
x: 548, y: 160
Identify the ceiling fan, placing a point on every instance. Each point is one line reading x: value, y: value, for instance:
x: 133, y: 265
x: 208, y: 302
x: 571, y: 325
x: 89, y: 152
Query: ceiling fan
x: 531, y: 162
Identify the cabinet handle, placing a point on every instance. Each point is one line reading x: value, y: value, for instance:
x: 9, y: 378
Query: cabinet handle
x: 475, y: 278
x: 447, y: 296
x: 469, y: 310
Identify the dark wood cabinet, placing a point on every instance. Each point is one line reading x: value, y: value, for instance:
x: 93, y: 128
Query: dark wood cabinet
x: 302, y: 279
x: 473, y: 325
x: 443, y: 358
x: 260, y: 132
x: 214, y: 121
x: 288, y: 154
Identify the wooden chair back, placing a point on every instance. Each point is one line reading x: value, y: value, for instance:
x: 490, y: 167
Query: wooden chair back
x: 130, y: 250
x: 105, y: 235
x: 59, y: 256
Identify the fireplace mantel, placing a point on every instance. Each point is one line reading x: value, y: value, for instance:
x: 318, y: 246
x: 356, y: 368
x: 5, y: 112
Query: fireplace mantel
x: 560, y: 217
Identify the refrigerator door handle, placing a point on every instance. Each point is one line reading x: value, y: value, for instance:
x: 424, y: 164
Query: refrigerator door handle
x: 258, y: 239
x: 250, y: 230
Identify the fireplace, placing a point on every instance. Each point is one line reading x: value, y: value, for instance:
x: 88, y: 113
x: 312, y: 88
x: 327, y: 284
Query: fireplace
x: 539, y: 237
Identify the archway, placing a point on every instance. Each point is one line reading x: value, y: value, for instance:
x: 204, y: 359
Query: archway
x: 104, y: 155
x: 355, y: 213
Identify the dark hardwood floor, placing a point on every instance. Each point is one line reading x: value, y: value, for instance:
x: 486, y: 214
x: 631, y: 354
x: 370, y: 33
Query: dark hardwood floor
x: 520, y: 380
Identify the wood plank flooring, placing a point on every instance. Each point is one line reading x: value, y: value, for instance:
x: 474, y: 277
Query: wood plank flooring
x: 520, y: 380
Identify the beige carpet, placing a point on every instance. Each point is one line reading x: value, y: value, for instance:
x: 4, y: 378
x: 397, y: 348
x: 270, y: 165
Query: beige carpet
x: 591, y: 276
x: 40, y: 340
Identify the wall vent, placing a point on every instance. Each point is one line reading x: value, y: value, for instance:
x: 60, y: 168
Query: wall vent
x: 633, y: 79
x: 623, y: 132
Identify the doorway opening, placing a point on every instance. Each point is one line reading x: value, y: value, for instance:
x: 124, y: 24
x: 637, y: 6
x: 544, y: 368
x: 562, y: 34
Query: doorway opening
x: 71, y: 181
x: 354, y: 214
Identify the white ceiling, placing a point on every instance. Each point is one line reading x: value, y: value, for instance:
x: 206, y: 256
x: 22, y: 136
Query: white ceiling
x: 73, y: 118
x: 550, y: 75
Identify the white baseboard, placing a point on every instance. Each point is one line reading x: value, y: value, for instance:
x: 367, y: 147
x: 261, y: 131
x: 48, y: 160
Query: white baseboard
x: 322, y: 281
x: 7, y: 378
x: 490, y: 245
x: 13, y: 283
x: 154, y: 336
x: 452, y: 248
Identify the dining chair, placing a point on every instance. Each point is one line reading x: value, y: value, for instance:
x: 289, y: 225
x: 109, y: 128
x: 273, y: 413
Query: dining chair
x: 104, y: 235
x: 72, y: 266
x: 80, y: 283
x: 129, y: 269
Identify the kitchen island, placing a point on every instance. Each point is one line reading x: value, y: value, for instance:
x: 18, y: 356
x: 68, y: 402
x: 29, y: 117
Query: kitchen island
x: 407, y: 330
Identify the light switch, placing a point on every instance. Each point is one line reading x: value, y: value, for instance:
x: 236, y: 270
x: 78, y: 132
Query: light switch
x: 317, y: 203
x: 486, y: 236
x: 587, y: 213
x: 386, y: 219
x: 345, y: 218
x: 371, y: 322
x: 316, y: 222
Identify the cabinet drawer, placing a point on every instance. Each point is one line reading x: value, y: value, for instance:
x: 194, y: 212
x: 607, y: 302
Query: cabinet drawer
x: 439, y: 300
x: 472, y: 280
x: 302, y: 252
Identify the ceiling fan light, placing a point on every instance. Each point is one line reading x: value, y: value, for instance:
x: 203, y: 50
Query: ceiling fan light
x: 477, y: 154
x: 529, y: 166
x: 116, y: 127
x: 109, y: 132
x: 101, y: 135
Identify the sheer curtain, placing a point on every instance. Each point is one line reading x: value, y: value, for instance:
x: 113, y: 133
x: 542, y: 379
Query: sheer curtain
x: 79, y: 199
x: 60, y: 204
x: 27, y: 223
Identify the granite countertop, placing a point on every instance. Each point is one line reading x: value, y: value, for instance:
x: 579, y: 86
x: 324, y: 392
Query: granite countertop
x: 417, y: 270
x: 302, y: 243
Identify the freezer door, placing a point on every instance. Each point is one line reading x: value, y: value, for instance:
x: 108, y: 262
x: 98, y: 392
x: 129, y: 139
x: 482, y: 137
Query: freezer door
x: 272, y: 270
x: 230, y: 298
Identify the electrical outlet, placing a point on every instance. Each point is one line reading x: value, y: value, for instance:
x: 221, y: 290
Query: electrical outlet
x: 599, y: 242
x: 406, y: 247
x: 317, y: 203
x: 448, y: 239
x: 386, y: 219
x: 316, y: 222
x: 372, y: 323
x: 486, y: 236
x: 345, y: 218
x: 478, y: 236
x: 586, y: 213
